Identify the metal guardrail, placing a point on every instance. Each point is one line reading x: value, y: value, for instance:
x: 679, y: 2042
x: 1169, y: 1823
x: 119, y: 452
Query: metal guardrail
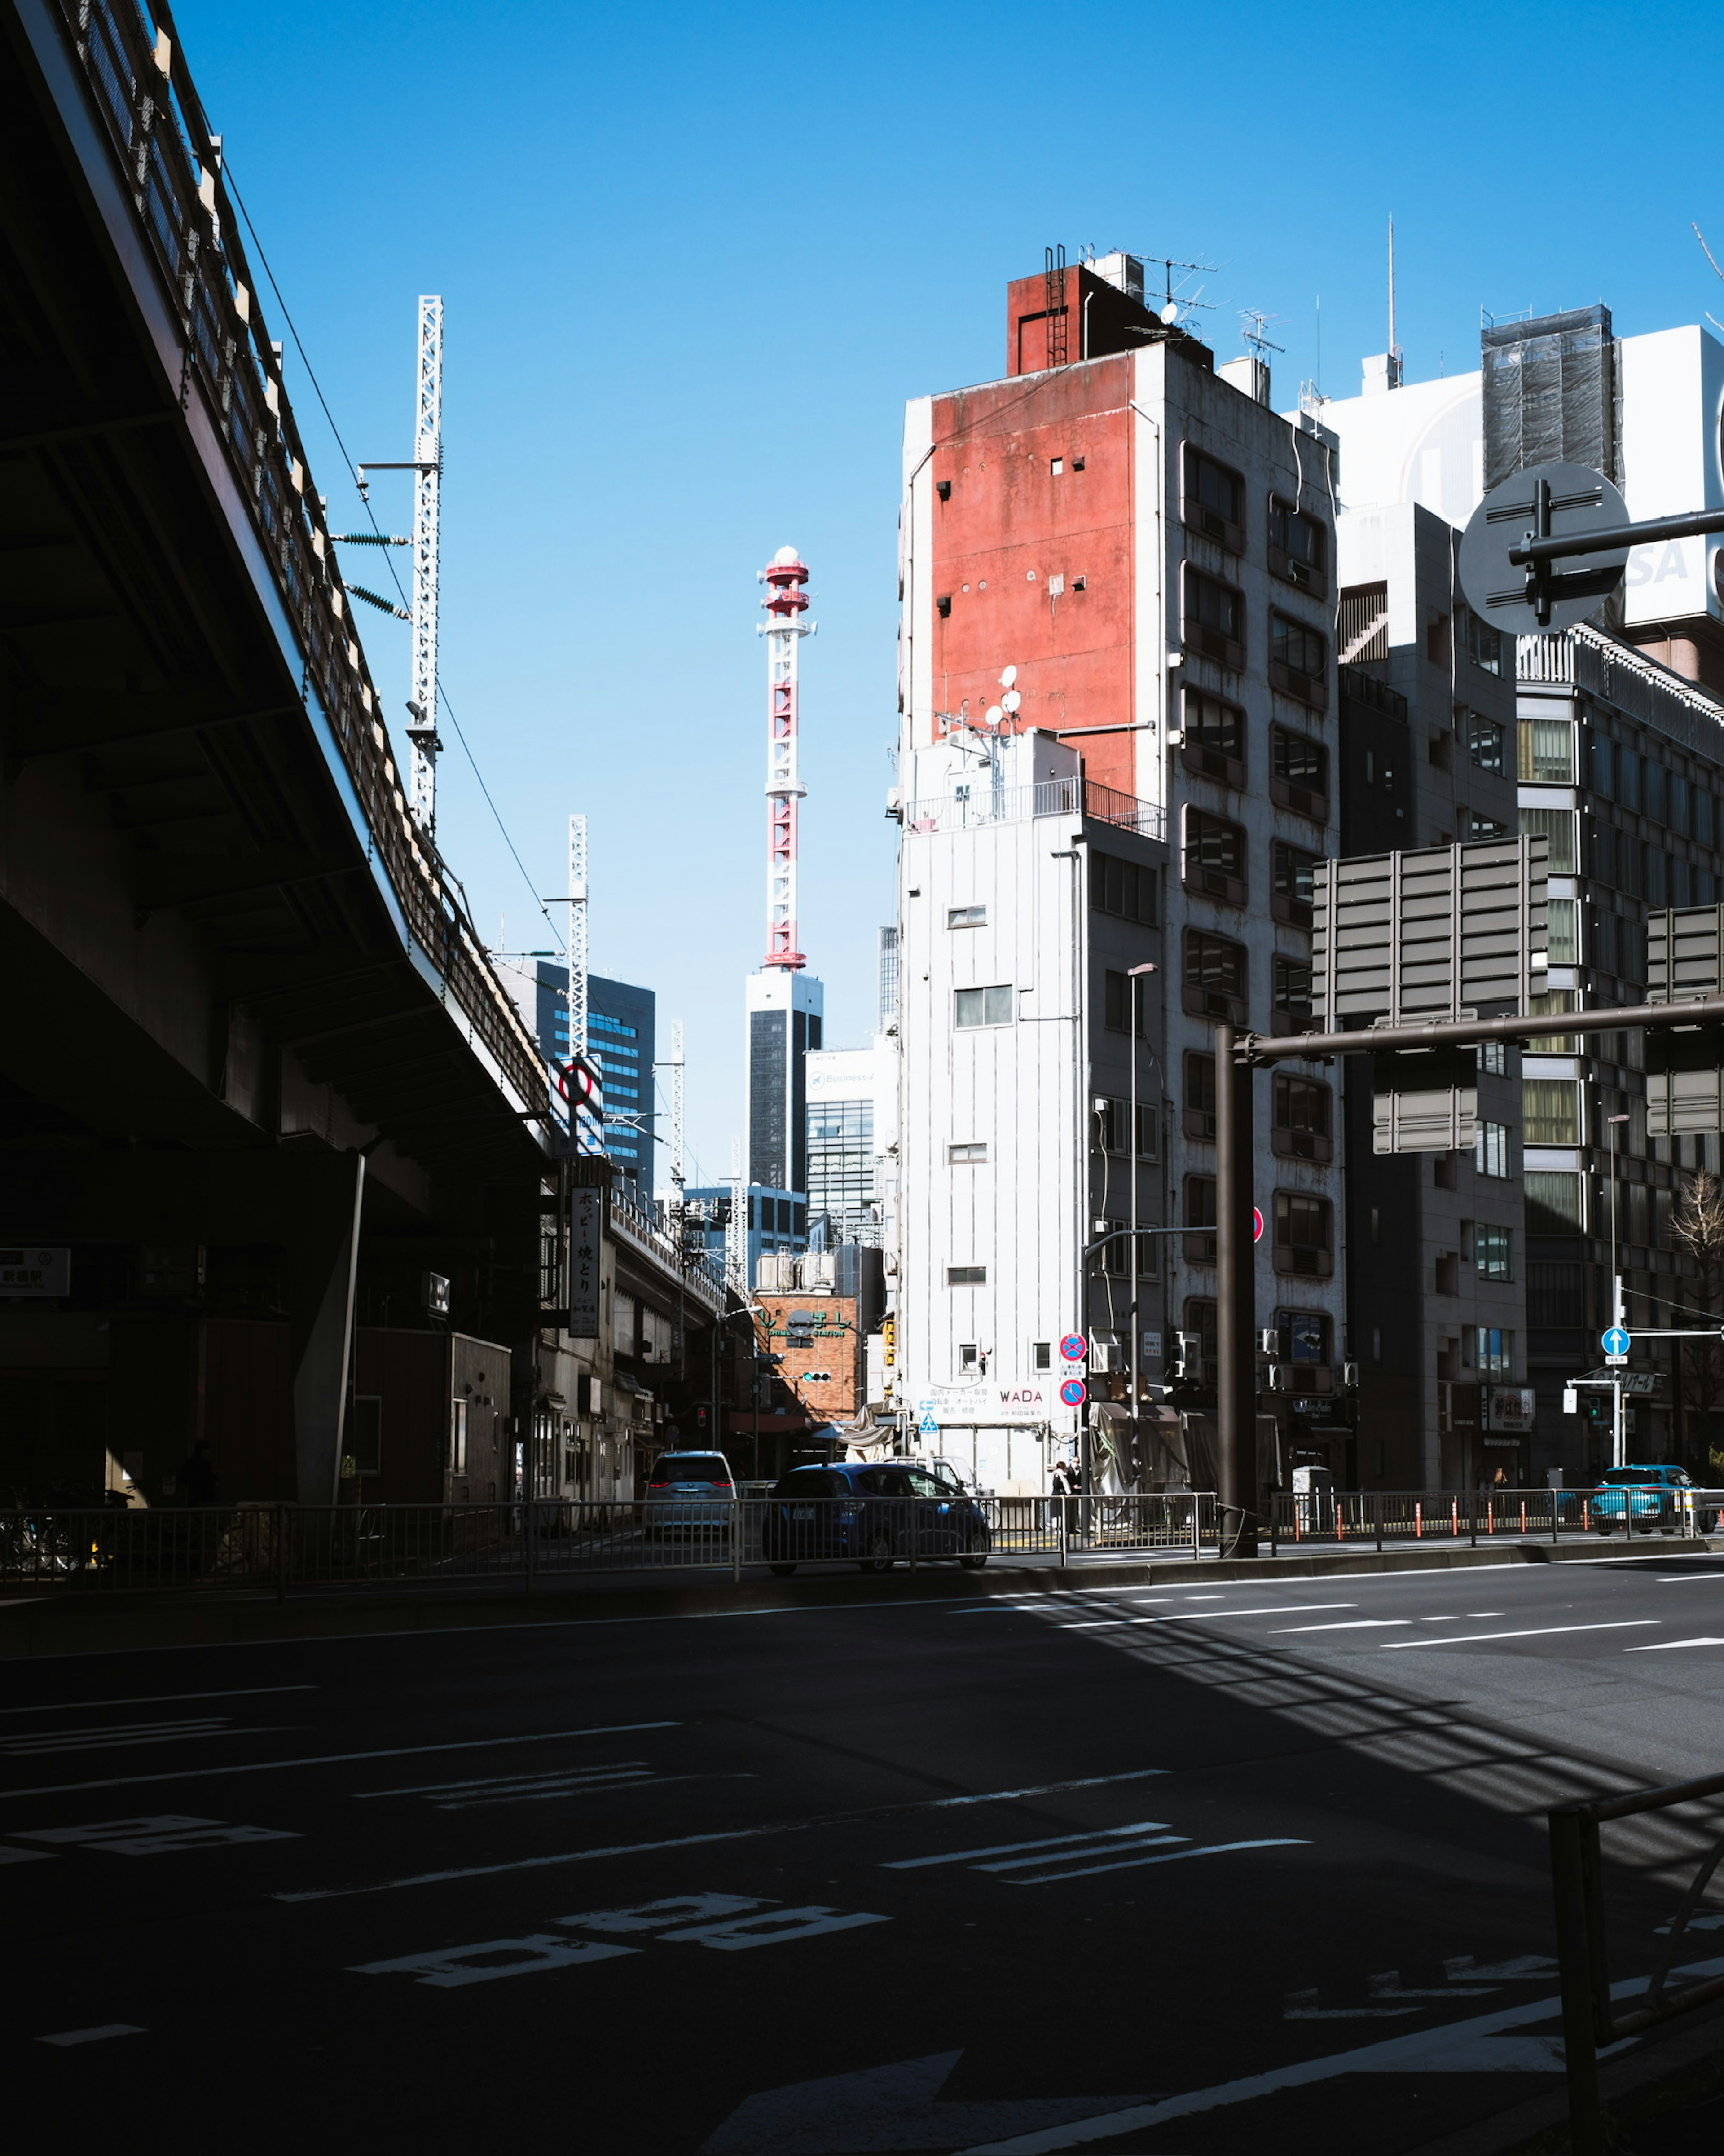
x: 1591, y: 2022
x: 1373, y: 1518
x: 117, y: 1549
x: 148, y: 108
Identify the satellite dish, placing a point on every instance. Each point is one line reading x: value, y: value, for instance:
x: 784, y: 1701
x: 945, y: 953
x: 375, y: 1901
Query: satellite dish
x: 1170, y: 313
x: 994, y: 715
x: 1009, y: 678
x: 1503, y: 592
x: 1011, y: 701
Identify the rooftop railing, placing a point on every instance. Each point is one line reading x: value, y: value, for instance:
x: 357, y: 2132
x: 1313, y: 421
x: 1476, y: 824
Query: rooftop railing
x: 969, y: 807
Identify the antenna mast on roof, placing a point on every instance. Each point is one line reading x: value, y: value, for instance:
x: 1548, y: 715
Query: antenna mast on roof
x: 1394, y: 349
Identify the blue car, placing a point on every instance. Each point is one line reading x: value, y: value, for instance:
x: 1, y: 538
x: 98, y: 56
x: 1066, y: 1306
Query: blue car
x: 1641, y: 1499
x: 874, y: 1515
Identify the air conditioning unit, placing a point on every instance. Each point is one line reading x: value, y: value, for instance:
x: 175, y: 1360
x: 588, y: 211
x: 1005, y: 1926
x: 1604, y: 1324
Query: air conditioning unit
x: 1350, y: 1376
x: 1269, y: 1342
x: 1281, y: 1377
x: 1107, y: 1355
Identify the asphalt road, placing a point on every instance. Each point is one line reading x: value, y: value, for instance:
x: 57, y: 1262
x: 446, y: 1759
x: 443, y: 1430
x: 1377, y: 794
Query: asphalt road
x: 1218, y: 1867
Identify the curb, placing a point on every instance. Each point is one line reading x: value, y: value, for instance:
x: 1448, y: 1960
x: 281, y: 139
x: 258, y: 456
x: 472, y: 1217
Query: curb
x: 52, y: 1628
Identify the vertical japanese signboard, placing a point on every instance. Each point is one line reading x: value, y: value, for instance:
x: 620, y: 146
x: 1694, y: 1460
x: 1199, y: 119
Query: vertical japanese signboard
x: 585, y: 1219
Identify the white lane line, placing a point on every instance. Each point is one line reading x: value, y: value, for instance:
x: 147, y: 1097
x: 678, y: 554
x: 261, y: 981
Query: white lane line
x: 1011, y: 1848
x: 158, y: 1699
x: 1682, y: 1578
x: 1173, y: 1856
x: 1350, y: 1625
x: 729, y: 1833
x: 498, y: 1781
x: 333, y: 1759
x: 1663, y: 1646
x: 1206, y: 1616
x: 1059, y: 1856
x: 1536, y: 1632
x: 94, y: 2036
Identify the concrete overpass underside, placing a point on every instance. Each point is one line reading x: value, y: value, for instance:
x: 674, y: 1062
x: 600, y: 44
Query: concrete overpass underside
x: 256, y: 1076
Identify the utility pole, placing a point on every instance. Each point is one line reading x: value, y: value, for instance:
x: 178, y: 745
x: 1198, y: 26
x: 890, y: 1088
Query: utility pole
x: 427, y: 508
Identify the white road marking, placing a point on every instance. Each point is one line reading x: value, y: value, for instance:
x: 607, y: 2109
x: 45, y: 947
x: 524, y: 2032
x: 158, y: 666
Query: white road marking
x: 1418, y: 2052
x: 726, y: 1834
x: 124, y: 1735
x: 771, y: 1927
x: 94, y: 2036
x: 1524, y: 1968
x: 1682, y: 1578
x: 449, y: 1968
x: 159, y: 1699
x: 496, y: 1781
x: 1536, y: 1632
x: 153, y: 1837
x: 1388, y: 1986
x: 1205, y: 1616
x: 1302, y: 2006
x: 1346, y: 1624
x: 25, y: 1857
x: 1440, y: 1620
x: 337, y: 1758
x: 1095, y: 1848
x: 1662, y: 1646
x: 1173, y: 1856
x: 1009, y: 1848
x: 659, y: 1916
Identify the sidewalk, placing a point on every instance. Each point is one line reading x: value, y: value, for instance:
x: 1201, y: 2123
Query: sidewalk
x: 69, y: 1622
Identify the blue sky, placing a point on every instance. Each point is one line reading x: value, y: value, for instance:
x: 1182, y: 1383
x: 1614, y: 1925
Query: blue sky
x: 694, y: 258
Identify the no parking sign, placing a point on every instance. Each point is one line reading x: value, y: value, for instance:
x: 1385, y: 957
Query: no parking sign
x: 1073, y: 1392
x: 1074, y: 1348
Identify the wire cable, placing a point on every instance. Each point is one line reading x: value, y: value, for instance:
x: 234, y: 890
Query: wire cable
x: 381, y: 539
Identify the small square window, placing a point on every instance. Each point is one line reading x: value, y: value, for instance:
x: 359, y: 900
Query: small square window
x: 967, y: 917
x: 1057, y: 466
x: 1077, y: 464
x: 966, y: 1276
x: 1041, y: 1354
x: 968, y: 1355
x: 966, y: 1153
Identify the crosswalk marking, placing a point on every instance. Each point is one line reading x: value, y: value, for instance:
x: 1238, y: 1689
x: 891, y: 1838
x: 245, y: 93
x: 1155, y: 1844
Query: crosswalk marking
x: 1094, y: 1835
x: 106, y: 1739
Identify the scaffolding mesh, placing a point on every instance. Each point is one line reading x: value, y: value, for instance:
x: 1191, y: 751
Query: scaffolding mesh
x: 1551, y: 394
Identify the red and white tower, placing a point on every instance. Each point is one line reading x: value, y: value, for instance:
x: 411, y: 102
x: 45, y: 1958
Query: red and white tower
x: 785, y: 604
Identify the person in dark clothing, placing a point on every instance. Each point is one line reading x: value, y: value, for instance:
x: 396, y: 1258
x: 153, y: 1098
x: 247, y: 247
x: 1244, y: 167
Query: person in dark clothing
x: 197, y: 1480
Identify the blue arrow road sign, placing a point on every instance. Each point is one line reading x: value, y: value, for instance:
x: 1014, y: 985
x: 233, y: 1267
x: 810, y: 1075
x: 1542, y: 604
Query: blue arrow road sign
x: 1616, y: 1342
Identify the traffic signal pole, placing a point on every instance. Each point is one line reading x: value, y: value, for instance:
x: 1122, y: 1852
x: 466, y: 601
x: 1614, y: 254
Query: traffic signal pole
x: 1237, y: 1056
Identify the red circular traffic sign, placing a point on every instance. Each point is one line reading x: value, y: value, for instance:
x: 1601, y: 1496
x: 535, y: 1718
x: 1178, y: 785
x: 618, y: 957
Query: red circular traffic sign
x: 1074, y: 1348
x: 1256, y: 1224
x: 1073, y: 1392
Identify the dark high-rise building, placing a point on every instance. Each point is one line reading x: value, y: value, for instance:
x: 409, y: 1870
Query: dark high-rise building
x: 621, y: 1045
x: 784, y: 1012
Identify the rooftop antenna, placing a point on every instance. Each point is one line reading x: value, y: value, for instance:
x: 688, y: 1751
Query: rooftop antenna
x: 1394, y: 349
x: 1254, y: 327
x: 1172, y: 308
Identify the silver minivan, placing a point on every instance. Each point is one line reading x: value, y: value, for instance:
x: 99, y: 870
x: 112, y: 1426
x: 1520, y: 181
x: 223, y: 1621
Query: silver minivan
x: 690, y: 1493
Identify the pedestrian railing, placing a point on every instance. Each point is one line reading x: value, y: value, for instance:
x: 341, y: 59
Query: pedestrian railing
x: 1597, y: 2012
x: 279, y: 1546
x: 1376, y: 1518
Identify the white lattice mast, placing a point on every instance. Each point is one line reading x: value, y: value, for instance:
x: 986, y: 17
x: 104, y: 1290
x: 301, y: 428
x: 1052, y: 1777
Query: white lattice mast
x: 577, y: 935
x: 427, y: 485
x: 736, y: 1233
x: 674, y: 1069
x: 785, y: 604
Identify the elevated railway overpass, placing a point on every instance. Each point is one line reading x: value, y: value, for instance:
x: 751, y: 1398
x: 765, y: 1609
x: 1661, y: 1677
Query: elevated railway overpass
x: 257, y: 1076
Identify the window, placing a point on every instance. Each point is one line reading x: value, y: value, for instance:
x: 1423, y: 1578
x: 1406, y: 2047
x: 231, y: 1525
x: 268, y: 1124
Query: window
x: 1627, y: 777
x: 1480, y: 643
x: 1290, y: 873
x: 1298, y: 547
x: 973, y: 1007
x: 970, y: 1357
x: 1553, y: 1003
x: 1473, y: 825
x: 1114, y: 1258
x: 1562, y: 930
x: 1123, y: 888
x: 1200, y: 1096
x: 1291, y: 989
x: 1214, y: 500
x: 1299, y: 1118
x: 1485, y: 742
x: 1362, y: 630
x: 1214, y: 857
x: 1488, y: 1349
x: 1492, y: 1056
x: 1304, y: 1335
x: 967, y: 917
x: 1214, y: 745
x: 1114, y: 1119
x: 1550, y: 1109
x: 1556, y: 826
x: 1304, y: 1239
x: 1214, y: 977
x: 1547, y: 752
x: 966, y: 1154
x: 1298, y: 661
x: 458, y: 1437
x: 967, y: 1275
x: 1299, y: 774
x: 1055, y: 466
x: 1200, y: 1212
x: 1491, y: 1149
x: 1041, y: 1354
x: 1214, y: 619
x: 1122, y: 998
x: 1492, y: 1253
x: 1554, y: 1202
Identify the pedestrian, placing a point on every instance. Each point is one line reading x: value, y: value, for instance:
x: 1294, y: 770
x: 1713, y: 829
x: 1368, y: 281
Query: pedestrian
x: 198, y: 1479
